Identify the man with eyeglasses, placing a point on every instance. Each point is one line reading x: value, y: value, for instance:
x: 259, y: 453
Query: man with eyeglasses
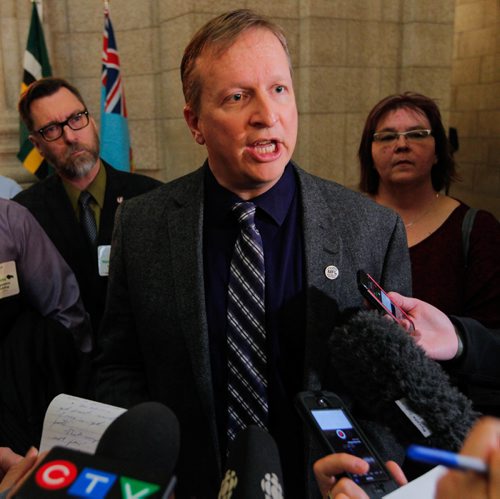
x: 76, y: 206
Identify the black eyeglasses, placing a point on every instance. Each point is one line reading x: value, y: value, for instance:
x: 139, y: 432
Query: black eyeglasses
x: 55, y: 130
x: 412, y: 135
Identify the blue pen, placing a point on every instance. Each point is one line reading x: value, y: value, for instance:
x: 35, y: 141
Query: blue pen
x: 446, y: 458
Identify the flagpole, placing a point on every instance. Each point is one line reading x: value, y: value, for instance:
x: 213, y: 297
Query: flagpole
x: 36, y: 65
x: 114, y: 131
x: 39, y: 8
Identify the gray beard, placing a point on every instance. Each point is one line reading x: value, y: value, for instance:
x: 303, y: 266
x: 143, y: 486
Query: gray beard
x: 80, y: 167
x: 77, y: 168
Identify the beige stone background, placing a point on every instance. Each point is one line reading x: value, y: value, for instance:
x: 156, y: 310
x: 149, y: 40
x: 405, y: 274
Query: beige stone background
x: 347, y: 55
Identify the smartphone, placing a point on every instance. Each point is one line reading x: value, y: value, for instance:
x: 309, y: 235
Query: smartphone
x: 379, y: 299
x: 327, y: 417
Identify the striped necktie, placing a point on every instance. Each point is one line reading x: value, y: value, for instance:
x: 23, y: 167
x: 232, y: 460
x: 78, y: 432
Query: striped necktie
x: 87, y: 219
x: 246, y: 335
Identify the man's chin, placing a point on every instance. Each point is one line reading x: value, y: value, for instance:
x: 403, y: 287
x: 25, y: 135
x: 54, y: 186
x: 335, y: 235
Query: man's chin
x: 78, y: 169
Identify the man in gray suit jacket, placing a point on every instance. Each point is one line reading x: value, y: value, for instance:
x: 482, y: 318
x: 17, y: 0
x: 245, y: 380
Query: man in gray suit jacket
x: 164, y: 330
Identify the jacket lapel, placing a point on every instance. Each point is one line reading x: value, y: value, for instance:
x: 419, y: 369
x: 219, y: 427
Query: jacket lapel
x: 185, y: 224
x: 111, y: 194
x: 61, y: 213
x: 323, y: 248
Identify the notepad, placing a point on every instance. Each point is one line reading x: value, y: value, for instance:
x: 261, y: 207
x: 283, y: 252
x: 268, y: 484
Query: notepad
x: 76, y: 423
x: 423, y: 487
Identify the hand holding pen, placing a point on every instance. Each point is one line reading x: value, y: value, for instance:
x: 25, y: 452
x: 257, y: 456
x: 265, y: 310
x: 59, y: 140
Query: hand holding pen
x: 483, y: 446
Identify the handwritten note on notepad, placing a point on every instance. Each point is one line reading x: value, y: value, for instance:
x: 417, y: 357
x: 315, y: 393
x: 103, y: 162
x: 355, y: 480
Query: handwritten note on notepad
x: 76, y: 423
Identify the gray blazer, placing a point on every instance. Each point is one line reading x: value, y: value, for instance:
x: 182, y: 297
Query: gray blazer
x: 154, y: 339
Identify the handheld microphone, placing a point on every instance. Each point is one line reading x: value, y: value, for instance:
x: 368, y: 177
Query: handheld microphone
x: 253, y: 468
x: 393, y: 381
x: 135, y: 457
x: 146, y: 435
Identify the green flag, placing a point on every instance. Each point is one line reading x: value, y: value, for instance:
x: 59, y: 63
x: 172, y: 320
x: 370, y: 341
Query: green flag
x: 36, y: 65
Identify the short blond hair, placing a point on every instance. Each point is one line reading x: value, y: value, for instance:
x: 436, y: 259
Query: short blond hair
x: 218, y: 35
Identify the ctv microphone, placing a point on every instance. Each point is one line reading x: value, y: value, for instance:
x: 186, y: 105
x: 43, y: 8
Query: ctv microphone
x: 253, y: 468
x: 135, y: 457
x: 146, y: 435
x: 393, y: 381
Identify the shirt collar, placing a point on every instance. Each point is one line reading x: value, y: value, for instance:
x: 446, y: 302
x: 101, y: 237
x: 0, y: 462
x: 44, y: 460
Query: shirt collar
x: 275, y: 202
x: 97, y: 188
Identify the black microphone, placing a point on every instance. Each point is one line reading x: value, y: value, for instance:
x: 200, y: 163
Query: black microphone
x: 146, y: 435
x: 394, y: 382
x: 253, y: 468
x: 135, y: 457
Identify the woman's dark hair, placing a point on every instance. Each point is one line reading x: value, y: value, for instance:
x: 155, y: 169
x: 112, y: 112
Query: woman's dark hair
x: 443, y: 172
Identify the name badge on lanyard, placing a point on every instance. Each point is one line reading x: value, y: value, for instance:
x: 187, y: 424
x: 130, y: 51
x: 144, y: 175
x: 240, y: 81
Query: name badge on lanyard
x: 9, y: 285
x: 103, y: 259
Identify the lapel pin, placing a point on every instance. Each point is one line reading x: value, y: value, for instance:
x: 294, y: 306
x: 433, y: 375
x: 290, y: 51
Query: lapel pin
x: 331, y: 272
x: 119, y: 199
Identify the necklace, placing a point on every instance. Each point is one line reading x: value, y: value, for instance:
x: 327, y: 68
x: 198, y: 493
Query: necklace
x: 413, y: 222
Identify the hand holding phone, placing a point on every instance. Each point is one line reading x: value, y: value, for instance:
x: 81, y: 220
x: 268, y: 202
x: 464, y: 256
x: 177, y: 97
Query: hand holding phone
x: 327, y: 417
x: 379, y: 300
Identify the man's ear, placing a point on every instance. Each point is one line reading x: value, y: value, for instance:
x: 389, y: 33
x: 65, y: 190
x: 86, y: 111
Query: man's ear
x: 35, y: 142
x: 192, y: 122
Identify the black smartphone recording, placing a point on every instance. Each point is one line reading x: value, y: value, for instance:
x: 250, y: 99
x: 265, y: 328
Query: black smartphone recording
x: 327, y: 417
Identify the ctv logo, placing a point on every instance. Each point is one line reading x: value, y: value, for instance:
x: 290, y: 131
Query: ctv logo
x: 91, y: 483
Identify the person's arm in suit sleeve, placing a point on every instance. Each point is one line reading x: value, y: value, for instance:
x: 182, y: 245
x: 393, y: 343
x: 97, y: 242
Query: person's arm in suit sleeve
x: 481, y: 351
x: 120, y: 378
x: 45, y: 279
x: 466, y: 348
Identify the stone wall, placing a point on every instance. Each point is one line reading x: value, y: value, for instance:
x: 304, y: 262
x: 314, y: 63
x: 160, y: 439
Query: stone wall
x: 476, y: 102
x: 347, y: 55
x: 14, y: 22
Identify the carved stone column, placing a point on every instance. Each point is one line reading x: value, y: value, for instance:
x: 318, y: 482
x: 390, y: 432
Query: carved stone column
x: 14, y: 24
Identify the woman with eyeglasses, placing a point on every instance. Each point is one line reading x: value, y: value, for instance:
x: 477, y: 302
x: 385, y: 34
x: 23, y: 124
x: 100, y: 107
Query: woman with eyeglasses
x: 406, y: 165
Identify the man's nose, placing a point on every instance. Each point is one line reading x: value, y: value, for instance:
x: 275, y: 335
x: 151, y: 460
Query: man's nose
x: 69, y: 134
x: 264, y: 113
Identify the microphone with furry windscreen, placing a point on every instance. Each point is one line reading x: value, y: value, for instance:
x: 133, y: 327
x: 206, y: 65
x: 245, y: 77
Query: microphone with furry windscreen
x: 395, y: 383
x: 253, y: 468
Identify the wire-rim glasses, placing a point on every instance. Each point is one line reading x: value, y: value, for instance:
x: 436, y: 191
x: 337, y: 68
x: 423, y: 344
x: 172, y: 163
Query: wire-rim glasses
x: 412, y: 135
